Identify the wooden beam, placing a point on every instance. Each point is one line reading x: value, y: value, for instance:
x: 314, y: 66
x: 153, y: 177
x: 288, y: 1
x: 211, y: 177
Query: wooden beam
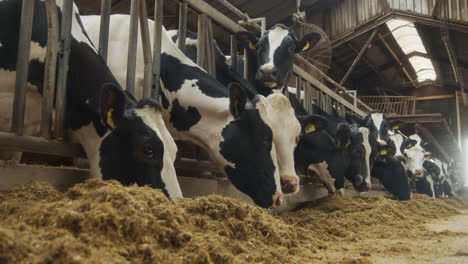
x: 387, y: 46
x: 359, y: 56
x: 435, y: 97
x: 12, y: 142
x: 457, y: 109
x: 372, y: 66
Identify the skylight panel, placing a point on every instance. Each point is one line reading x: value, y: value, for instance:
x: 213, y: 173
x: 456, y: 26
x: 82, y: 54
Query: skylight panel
x: 407, y: 37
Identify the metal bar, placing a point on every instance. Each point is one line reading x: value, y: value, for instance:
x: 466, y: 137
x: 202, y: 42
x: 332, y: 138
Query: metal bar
x: 234, y: 9
x: 132, y: 46
x: 210, y: 46
x: 50, y: 68
x: 147, y: 58
x: 387, y: 46
x: 298, y: 88
x: 457, y: 108
x: 158, y: 17
x: 201, y: 43
x: 326, y: 90
x: 182, y: 25
x: 22, y: 67
x: 246, y: 64
x: 12, y: 142
x: 205, y: 8
x: 65, y: 38
x: 253, y: 22
x: 233, y: 53
x: 359, y: 56
x: 104, y: 30
x: 367, y: 62
x: 310, y: 67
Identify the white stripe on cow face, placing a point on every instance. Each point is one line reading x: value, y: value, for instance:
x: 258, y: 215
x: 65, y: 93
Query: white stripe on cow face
x: 415, y: 158
x: 286, y: 128
x: 431, y: 184
x: 398, y: 139
x: 377, y: 118
x: 417, y: 138
x: 154, y: 120
x: 365, y: 141
x: 275, y: 38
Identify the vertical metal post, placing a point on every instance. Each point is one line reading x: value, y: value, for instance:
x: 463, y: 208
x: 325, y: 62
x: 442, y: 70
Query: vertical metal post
x: 211, y: 63
x: 158, y: 17
x: 233, y: 53
x: 104, y: 30
x: 298, y: 88
x: 65, y: 38
x: 132, y: 46
x: 182, y: 25
x: 22, y: 67
x: 246, y: 63
x: 50, y: 68
x: 457, y: 107
x: 146, y: 43
x: 201, y: 45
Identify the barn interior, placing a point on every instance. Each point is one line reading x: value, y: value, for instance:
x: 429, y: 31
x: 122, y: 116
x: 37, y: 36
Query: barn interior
x: 406, y: 59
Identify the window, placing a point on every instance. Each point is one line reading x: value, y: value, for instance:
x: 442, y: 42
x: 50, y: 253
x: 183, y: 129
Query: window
x: 408, y: 39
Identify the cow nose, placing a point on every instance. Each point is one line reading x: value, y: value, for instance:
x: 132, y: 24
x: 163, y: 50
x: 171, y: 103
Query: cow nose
x: 419, y: 172
x: 289, y: 184
x: 269, y: 72
x: 277, y: 200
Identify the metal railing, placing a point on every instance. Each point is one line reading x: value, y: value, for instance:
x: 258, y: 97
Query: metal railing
x: 392, y: 105
x: 58, y: 48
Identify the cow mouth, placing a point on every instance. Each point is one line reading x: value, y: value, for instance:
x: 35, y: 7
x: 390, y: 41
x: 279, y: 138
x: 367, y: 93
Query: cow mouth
x: 270, y: 84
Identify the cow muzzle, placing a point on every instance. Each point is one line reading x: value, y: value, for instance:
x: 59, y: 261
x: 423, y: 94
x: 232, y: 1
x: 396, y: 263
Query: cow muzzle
x: 419, y: 173
x: 268, y: 76
x: 289, y: 184
x: 277, y: 200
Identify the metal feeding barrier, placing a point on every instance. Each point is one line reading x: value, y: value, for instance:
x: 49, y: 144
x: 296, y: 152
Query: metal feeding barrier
x: 52, y: 125
x: 392, y: 105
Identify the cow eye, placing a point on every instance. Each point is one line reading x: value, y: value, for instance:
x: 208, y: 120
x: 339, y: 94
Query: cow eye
x: 148, y: 152
x: 291, y: 49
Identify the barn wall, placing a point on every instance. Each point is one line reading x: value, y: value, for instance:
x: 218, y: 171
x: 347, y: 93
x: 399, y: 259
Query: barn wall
x: 345, y: 15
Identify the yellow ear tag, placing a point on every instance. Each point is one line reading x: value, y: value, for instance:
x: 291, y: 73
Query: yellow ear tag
x: 395, y: 127
x: 306, y: 46
x: 109, y: 120
x: 427, y: 157
x: 383, y: 152
x: 251, y: 46
x: 309, y: 128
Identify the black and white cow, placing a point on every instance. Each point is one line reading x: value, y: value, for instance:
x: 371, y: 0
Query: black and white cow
x: 245, y: 137
x: 124, y: 139
x: 316, y: 150
x: 271, y: 57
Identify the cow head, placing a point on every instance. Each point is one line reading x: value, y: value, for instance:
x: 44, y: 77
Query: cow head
x: 415, y: 156
x: 274, y: 54
x: 138, y: 149
x: 247, y: 145
x: 433, y: 169
x: 379, y: 127
x: 359, y: 153
x: 392, y: 173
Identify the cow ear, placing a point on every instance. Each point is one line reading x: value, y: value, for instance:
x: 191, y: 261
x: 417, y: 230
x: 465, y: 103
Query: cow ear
x: 312, y: 123
x: 409, y: 143
x: 246, y: 40
x: 396, y: 125
x: 387, y: 151
x: 343, y: 136
x: 428, y: 156
x: 237, y: 99
x: 357, y: 121
x: 112, y: 105
x: 309, y: 42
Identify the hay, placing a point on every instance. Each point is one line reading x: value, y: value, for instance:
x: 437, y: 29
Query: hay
x: 104, y: 222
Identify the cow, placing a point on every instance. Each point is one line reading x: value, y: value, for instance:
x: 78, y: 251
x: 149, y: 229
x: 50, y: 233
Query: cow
x: 245, y: 136
x: 124, y: 139
x: 316, y: 150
